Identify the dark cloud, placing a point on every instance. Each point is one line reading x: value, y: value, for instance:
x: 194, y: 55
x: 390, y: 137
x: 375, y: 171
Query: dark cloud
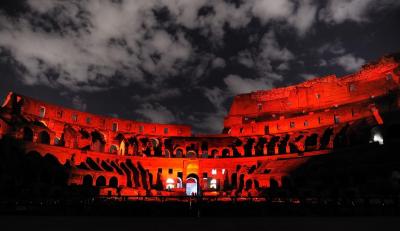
x: 182, y: 61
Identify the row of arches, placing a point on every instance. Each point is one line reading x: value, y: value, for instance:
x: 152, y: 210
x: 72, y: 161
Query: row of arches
x: 43, y: 136
x: 100, y: 181
x: 251, y: 146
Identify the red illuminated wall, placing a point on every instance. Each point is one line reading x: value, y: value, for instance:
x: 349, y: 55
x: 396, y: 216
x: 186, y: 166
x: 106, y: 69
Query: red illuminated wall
x: 267, y: 134
x: 315, y: 101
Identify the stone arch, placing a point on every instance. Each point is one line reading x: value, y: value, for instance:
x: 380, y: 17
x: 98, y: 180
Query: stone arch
x: 296, y: 145
x: 113, y: 182
x: 44, y: 137
x: 113, y: 149
x: 157, y: 146
x: 214, y: 153
x: 259, y: 148
x: 249, y: 184
x: 27, y: 134
x: 191, y: 154
x: 271, y: 145
x: 283, y: 144
x: 204, y: 149
x: 168, y: 145
x: 87, y: 180
x: 98, y: 141
x: 248, y: 147
x: 225, y: 152
x: 237, y: 143
x: 179, y: 152
x: 325, y: 138
x: 101, y: 181
x: 192, y: 184
x: 311, y: 142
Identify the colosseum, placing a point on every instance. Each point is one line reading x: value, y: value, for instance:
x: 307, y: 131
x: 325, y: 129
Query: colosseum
x: 268, y: 136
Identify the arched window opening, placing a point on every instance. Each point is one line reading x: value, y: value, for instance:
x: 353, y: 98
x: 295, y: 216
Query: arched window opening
x: 101, y: 181
x: 113, y: 182
x: 179, y: 153
x: 213, y: 184
x: 225, y: 152
x: 191, y: 186
x: 44, y: 137
x: 87, y: 180
x: 191, y: 154
x: 28, y: 134
x: 113, y: 149
x: 98, y: 141
x: 214, y: 153
x: 170, y: 183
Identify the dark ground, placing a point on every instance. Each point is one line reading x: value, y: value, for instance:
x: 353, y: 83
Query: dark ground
x: 99, y: 223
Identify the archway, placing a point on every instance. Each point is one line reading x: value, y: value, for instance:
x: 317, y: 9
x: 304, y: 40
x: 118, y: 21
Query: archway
x: 101, y: 181
x: 249, y: 184
x: 98, y: 141
x: 214, y: 153
x: 28, y: 134
x: 179, y: 153
x: 113, y: 182
x: 113, y: 149
x: 311, y: 142
x: 191, y: 154
x: 192, y: 185
x: 326, y: 137
x: 225, y: 152
x: 248, y: 147
x: 44, y: 137
x: 87, y: 180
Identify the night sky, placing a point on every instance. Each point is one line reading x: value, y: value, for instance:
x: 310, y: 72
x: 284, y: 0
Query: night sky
x: 182, y: 61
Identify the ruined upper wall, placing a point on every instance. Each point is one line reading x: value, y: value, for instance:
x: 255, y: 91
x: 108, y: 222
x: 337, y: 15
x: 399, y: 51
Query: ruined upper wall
x: 52, y: 114
x: 372, y: 80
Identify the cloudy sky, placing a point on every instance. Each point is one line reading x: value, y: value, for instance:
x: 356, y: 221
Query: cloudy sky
x: 182, y: 61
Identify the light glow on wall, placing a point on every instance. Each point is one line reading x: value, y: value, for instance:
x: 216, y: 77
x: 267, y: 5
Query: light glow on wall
x: 213, y: 184
x: 170, y: 183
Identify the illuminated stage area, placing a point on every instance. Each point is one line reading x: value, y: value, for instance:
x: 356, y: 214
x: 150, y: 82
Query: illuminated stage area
x: 283, y: 143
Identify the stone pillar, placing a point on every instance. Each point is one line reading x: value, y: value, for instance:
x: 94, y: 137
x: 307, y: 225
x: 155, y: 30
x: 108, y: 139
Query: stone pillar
x: 287, y: 147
